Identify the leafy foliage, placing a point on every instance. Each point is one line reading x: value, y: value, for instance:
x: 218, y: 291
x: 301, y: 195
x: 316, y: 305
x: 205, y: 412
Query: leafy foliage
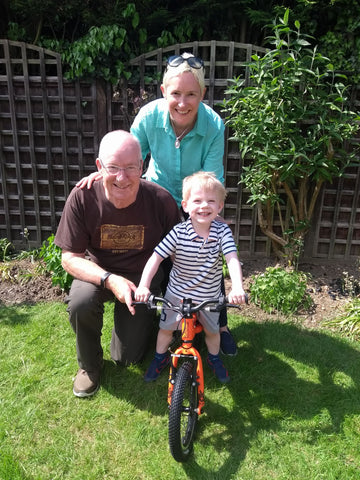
x: 97, y: 54
x: 291, y: 122
x: 336, y: 26
x: 158, y: 23
x: 51, y: 255
x: 280, y: 290
x: 349, y: 322
x: 6, y: 249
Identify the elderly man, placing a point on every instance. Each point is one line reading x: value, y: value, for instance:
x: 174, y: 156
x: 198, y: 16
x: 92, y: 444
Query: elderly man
x: 106, y: 234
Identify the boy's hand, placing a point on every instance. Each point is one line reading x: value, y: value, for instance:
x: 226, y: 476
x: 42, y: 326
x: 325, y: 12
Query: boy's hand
x: 142, y: 294
x: 237, y: 296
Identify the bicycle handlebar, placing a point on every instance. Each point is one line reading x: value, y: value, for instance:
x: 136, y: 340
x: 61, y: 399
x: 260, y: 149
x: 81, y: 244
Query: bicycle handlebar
x: 187, y: 307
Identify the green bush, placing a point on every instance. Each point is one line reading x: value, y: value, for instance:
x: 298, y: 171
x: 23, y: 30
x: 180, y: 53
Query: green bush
x: 51, y: 255
x: 292, y: 120
x: 280, y: 290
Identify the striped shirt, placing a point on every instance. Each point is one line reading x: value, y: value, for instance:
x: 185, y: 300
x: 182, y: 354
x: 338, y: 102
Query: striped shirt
x: 197, y: 267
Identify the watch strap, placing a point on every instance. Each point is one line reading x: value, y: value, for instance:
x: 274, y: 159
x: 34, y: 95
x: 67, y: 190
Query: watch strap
x: 103, y: 278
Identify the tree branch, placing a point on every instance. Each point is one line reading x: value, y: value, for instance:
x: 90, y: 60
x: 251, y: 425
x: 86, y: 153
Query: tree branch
x: 292, y: 201
x: 266, y: 229
x: 314, y: 197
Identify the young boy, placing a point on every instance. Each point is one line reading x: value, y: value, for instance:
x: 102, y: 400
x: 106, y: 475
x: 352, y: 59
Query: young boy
x: 195, y: 247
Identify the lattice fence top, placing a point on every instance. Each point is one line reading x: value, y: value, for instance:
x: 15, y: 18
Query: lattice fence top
x: 222, y: 60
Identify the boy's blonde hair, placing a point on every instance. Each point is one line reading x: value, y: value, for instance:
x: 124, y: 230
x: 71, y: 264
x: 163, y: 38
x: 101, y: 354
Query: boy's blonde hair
x: 199, y: 73
x: 205, y: 181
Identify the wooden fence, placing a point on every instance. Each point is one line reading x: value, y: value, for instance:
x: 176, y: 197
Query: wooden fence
x: 50, y: 130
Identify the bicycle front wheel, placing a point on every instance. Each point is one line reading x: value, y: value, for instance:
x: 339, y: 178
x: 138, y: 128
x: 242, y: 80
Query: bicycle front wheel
x: 183, y: 415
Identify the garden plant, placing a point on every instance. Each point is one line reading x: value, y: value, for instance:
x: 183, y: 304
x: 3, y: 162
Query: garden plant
x: 291, y: 123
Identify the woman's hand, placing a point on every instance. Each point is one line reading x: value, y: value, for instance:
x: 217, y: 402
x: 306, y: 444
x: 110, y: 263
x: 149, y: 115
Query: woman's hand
x: 89, y: 180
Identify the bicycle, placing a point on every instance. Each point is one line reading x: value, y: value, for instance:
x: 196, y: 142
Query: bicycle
x: 185, y: 396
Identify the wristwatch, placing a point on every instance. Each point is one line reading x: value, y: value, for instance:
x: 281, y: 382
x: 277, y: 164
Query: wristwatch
x: 103, y: 278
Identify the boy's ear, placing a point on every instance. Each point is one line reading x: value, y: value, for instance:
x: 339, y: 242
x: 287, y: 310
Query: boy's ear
x: 221, y: 206
x: 184, y: 206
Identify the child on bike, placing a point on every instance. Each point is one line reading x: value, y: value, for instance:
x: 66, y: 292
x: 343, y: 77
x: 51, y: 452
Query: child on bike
x: 195, y: 247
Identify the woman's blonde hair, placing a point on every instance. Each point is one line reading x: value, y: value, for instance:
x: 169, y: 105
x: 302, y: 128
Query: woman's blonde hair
x: 205, y: 181
x: 199, y: 73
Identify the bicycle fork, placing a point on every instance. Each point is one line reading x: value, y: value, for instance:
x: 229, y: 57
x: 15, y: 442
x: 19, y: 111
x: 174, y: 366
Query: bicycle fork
x: 193, y: 355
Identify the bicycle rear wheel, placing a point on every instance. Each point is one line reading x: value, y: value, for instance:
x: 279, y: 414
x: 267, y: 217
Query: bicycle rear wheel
x: 183, y: 415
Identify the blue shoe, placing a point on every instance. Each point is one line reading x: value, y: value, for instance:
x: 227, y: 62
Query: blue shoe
x: 218, y: 369
x: 227, y: 344
x: 156, y: 367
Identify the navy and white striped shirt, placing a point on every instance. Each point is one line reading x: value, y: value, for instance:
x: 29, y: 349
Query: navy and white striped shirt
x: 197, y: 267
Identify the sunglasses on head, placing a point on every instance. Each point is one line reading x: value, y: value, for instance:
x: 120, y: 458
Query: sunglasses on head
x: 193, y: 62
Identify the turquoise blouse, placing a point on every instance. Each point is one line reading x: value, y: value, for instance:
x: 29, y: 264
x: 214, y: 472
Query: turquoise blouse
x: 201, y: 149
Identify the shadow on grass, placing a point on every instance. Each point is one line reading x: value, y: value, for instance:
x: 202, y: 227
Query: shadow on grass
x: 282, y: 373
x: 10, y: 469
x: 267, y: 389
x: 128, y: 382
x: 14, y: 315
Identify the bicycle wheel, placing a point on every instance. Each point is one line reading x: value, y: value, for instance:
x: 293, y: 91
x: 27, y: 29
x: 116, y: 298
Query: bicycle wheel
x: 183, y: 415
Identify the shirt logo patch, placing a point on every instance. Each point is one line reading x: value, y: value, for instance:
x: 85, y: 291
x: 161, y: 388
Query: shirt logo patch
x: 122, y: 237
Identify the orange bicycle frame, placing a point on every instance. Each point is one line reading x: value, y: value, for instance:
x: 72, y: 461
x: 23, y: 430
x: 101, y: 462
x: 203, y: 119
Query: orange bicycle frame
x: 189, y: 328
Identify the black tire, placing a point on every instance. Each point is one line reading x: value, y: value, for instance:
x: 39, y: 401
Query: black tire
x: 183, y: 415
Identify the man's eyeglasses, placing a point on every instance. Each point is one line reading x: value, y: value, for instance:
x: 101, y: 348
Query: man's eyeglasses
x: 130, y: 171
x: 176, y: 60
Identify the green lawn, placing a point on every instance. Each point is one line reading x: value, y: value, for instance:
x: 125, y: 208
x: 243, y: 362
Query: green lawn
x: 291, y: 411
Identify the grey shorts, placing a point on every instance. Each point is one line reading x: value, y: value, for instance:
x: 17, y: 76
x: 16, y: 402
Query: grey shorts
x: 170, y: 320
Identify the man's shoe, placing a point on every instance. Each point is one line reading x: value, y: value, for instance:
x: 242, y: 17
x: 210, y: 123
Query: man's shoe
x: 156, y: 367
x: 218, y: 369
x: 227, y: 344
x: 86, y: 383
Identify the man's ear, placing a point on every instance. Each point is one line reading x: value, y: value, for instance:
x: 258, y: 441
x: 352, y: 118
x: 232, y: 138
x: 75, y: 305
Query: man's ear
x: 98, y: 164
x: 163, y: 90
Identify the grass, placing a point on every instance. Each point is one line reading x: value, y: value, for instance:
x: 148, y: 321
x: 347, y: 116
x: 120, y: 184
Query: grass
x: 291, y: 411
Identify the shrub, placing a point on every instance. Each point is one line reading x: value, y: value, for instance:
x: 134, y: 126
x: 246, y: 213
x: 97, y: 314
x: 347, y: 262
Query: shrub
x: 280, y: 290
x: 51, y: 255
x: 292, y: 121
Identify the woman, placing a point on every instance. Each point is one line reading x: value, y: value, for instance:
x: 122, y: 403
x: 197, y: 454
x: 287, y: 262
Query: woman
x: 183, y: 136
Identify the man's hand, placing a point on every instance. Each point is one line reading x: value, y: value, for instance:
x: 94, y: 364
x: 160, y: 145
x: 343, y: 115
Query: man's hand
x: 79, y: 267
x: 123, y: 289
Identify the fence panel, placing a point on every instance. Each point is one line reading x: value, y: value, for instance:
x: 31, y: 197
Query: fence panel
x: 50, y: 131
x: 49, y: 135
